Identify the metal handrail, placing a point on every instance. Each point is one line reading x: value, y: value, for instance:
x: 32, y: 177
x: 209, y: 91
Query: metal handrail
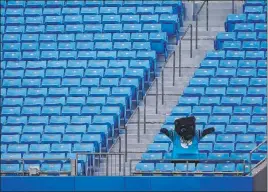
x: 196, y: 21
x: 250, y: 155
x: 191, y: 50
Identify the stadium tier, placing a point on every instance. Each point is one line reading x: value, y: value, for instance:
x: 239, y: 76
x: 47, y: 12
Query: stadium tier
x: 72, y: 72
x: 229, y: 92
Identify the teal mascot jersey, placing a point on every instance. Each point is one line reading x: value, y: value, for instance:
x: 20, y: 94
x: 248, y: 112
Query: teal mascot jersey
x: 185, y: 138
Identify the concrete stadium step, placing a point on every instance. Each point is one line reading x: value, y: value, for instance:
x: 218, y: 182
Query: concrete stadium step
x: 155, y: 120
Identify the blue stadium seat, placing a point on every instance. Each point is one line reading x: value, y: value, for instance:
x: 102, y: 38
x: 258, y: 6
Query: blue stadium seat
x: 218, y: 156
x: 204, y: 73
x: 30, y: 139
x: 84, y: 147
x: 39, y: 148
x: 247, y: 63
x: 236, y: 91
x: 145, y: 167
x: 10, y: 139
x: 231, y: 45
x: 10, y: 168
x: 245, y: 147
x: 205, y: 147
x: 164, y: 167
x: 215, y: 55
x: 242, y: 110
x: 50, y: 169
x: 32, y: 129
x: 208, y: 101
x: 223, y: 147
x: 11, y: 130
x: 79, y: 120
x: 205, y: 167
x: 252, y: 101
x: 236, y: 129
x: 259, y: 120
x: 222, y: 110
x: 232, y: 19
x: 248, y: 138
x: 158, y: 147
x: 225, y: 167
x: 260, y: 138
x: 32, y: 158
x: 151, y: 156
x: 52, y: 138
x: 209, y: 64
x: 219, y: 82
x: 244, y: 27
x: 225, y: 138
x: 257, y: 157
x: 95, y: 139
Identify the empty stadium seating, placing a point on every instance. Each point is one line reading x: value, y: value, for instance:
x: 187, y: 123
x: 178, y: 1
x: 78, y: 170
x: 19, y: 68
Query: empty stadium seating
x: 72, y: 72
x: 229, y: 92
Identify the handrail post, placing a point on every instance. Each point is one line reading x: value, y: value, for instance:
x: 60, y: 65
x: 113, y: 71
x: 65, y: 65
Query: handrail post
x: 162, y: 86
x: 120, y: 164
x: 191, y: 43
x: 107, y: 168
x: 207, y: 15
x: 250, y: 156
x: 196, y: 32
x: 126, y: 143
x: 174, y: 65
x: 180, y: 58
x: 233, y: 9
x: 144, y: 116
x: 156, y: 96
x: 138, y: 124
x: 73, y: 167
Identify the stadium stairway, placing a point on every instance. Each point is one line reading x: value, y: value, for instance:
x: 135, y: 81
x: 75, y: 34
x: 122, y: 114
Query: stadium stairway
x: 217, y: 17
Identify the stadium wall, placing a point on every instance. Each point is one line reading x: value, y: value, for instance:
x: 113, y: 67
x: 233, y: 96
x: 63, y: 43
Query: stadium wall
x: 181, y: 184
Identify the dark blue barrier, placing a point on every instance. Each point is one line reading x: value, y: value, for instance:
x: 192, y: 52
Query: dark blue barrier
x: 126, y: 184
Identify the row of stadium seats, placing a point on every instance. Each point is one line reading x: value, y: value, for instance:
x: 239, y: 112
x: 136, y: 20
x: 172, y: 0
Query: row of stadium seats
x: 100, y: 28
x: 224, y: 101
x: 123, y: 55
x: 113, y: 74
x: 151, y: 168
x: 230, y: 82
x: 220, y: 138
x: 86, y: 37
x: 244, y: 45
x: 49, y: 138
x: 87, y: 3
x: 230, y: 129
x: 54, y: 133
x: 240, y: 72
x: 208, y: 147
x: 87, y: 19
x: 54, y: 169
x: 219, y: 110
x: 103, y: 64
x: 47, y: 148
x: 88, y: 55
x: 71, y: 46
x: 224, y: 119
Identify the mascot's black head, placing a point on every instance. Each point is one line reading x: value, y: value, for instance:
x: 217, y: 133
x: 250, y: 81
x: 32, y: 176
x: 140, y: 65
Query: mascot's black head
x: 185, y: 128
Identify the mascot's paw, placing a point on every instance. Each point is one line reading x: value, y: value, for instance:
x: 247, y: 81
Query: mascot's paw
x: 164, y: 131
x: 208, y: 131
